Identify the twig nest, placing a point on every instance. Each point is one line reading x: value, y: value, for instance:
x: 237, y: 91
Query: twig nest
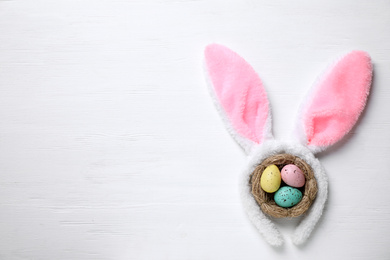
x: 266, y: 200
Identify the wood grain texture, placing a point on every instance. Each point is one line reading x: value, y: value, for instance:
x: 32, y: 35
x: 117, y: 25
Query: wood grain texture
x: 110, y: 147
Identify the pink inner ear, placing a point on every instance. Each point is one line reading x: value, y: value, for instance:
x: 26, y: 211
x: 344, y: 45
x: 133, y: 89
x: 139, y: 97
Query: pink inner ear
x: 239, y: 91
x: 338, y: 100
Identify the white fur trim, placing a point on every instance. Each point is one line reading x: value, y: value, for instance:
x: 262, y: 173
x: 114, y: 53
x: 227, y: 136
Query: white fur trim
x: 299, y: 129
x: 248, y: 145
x: 263, y: 223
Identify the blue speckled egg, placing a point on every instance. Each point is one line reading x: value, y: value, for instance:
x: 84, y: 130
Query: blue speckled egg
x: 287, y: 196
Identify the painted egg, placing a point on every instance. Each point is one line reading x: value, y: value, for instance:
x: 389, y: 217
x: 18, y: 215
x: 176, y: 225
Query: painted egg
x: 270, y: 179
x: 287, y: 196
x: 293, y: 176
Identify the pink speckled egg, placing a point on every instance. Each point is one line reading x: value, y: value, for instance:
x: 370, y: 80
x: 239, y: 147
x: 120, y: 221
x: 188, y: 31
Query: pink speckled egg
x: 293, y: 176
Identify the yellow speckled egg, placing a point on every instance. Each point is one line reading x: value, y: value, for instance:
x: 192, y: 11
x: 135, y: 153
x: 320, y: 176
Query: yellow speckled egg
x: 270, y: 179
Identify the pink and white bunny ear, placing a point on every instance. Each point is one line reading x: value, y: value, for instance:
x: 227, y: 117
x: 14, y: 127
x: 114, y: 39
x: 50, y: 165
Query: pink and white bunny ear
x: 336, y: 101
x: 239, y: 95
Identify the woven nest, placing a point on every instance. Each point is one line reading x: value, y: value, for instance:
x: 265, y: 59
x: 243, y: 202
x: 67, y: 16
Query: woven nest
x: 266, y: 200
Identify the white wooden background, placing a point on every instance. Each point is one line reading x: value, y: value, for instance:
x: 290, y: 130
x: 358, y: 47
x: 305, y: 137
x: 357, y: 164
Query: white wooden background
x: 110, y: 147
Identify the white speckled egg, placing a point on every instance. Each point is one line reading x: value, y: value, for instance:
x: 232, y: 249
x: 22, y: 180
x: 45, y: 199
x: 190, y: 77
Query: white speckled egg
x: 293, y: 176
x: 270, y: 179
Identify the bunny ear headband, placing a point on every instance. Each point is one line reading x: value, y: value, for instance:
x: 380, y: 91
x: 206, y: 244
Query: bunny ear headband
x: 329, y: 112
